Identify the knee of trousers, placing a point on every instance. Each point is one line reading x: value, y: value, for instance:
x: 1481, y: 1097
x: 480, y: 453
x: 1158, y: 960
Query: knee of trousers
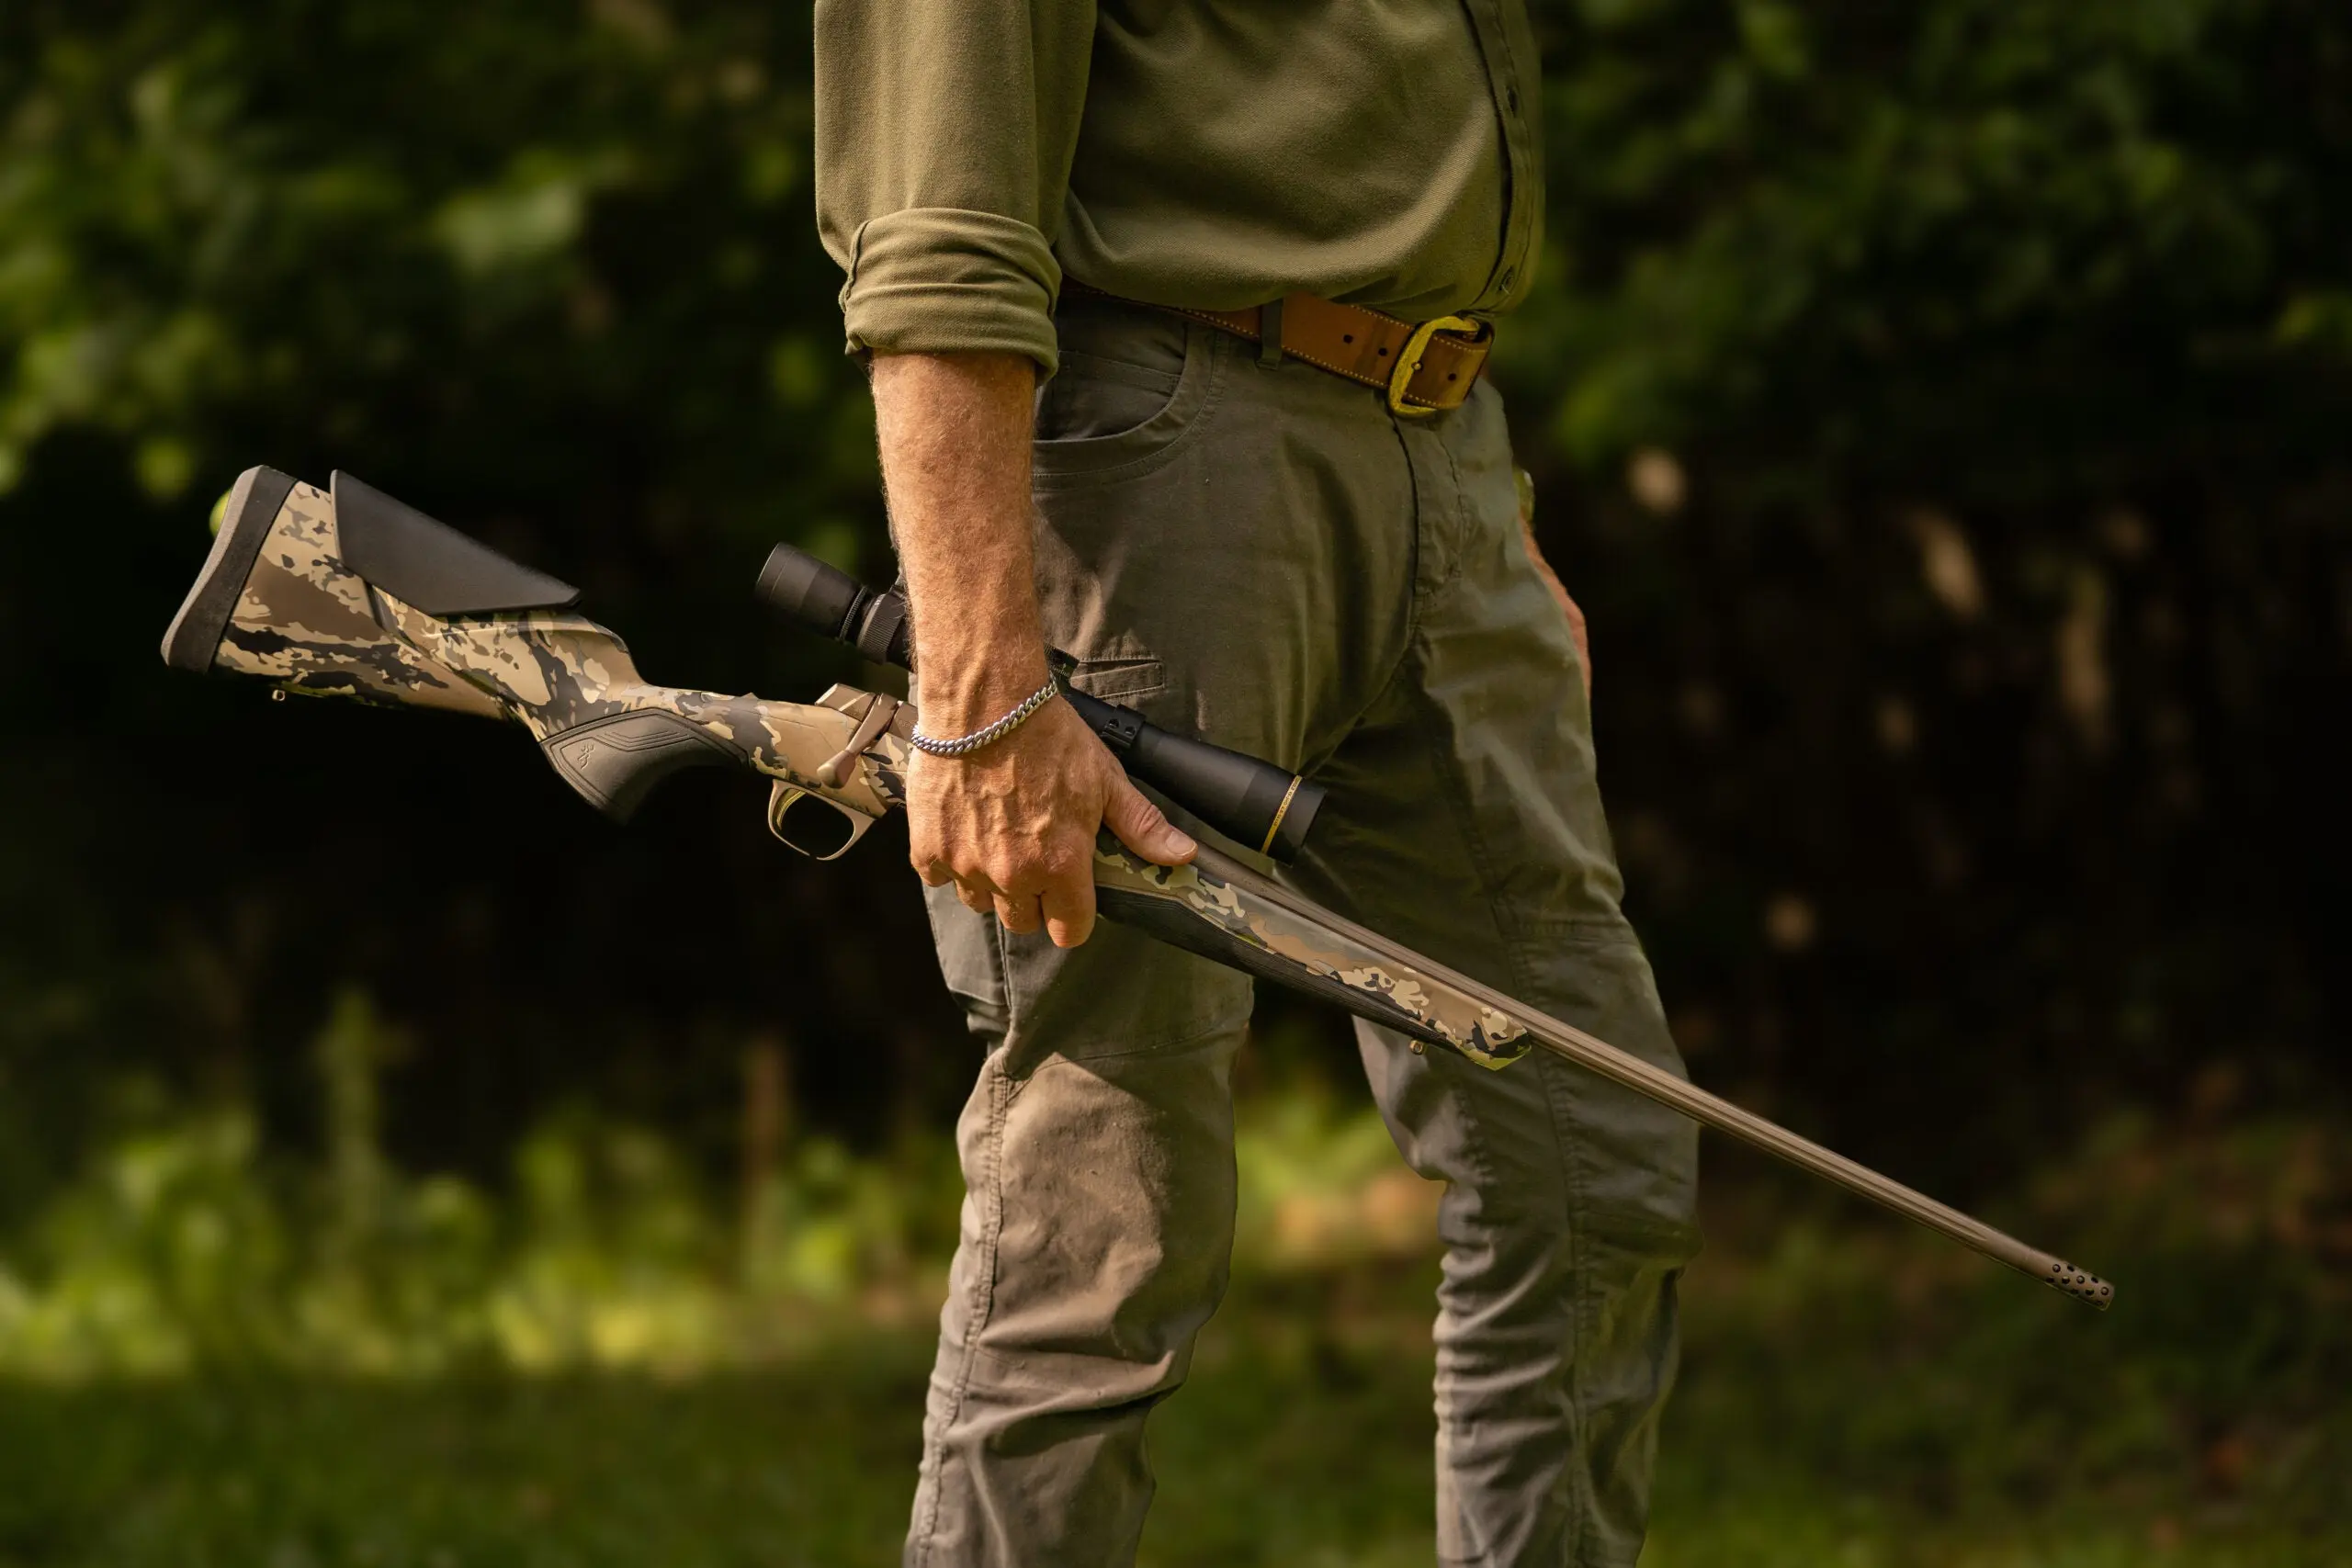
x: 1103, y: 1199
x: 1097, y: 1149
x: 1544, y: 1160
x: 1570, y: 1189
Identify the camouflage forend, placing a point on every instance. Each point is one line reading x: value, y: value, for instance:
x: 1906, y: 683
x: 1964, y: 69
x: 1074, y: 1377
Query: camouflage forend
x: 1270, y: 933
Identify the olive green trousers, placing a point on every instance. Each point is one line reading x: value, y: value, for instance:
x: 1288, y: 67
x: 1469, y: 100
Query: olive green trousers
x: 1262, y: 554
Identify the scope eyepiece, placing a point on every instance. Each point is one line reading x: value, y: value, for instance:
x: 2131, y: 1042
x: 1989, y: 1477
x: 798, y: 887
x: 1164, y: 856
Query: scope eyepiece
x: 831, y: 603
x: 821, y: 597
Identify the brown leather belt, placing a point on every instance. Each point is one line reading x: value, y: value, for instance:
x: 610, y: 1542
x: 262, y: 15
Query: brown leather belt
x: 1425, y: 367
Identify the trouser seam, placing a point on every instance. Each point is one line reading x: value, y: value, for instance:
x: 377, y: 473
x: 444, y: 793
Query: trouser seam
x: 1515, y: 954
x: 1413, y: 561
x: 1461, y: 520
x: 1001, y: 1091
x: 1458, y: 540
x: 1388, y: 683
x: 1481, y: 1160
x: 1572, y: 1183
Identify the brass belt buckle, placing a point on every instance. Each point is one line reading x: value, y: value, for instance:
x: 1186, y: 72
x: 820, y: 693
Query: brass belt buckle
x: 1409, y: 363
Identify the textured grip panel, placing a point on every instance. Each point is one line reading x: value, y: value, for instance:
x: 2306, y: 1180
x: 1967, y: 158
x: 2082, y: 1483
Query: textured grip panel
x: 615, y: 761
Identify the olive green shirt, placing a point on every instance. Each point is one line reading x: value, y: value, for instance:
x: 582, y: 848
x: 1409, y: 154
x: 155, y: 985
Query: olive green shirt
x: 1211, y: 153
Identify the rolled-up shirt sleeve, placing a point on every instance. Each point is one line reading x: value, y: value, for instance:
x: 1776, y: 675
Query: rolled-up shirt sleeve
x: 945, y: 133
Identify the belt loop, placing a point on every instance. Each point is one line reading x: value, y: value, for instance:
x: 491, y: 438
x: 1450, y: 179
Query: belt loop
x: 1270, y: 333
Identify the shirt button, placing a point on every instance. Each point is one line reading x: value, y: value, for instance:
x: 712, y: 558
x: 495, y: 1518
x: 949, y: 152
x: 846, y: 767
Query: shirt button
x: 1510, y: 99
x: 1510, y: 276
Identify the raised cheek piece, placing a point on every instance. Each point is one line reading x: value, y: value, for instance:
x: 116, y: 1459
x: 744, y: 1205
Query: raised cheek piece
x: 348, y: 592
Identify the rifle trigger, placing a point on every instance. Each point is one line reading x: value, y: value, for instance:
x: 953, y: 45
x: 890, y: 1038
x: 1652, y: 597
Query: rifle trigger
x: 879, y: 712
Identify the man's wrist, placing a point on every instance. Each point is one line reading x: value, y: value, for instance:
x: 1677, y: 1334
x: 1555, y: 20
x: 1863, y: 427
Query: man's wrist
x: 946, y: 743
x: 964, y: 691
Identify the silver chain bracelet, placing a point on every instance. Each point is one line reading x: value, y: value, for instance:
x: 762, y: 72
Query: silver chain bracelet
x: 997, y: 730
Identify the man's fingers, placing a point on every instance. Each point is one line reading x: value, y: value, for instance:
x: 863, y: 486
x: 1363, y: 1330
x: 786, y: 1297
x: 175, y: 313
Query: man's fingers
x: 923, y: 853
x: 1017, y: 914
x: 979, y: 900
x: 1069, y: 912
x: 1140, y: 827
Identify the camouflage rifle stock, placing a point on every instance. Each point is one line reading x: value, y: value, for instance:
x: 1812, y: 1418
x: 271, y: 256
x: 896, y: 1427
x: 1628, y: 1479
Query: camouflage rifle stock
x: 347, y: 593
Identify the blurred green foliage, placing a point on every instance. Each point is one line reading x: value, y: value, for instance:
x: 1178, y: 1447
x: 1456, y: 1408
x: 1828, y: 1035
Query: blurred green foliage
x: 183, y: 1244
x: 1940, y: 411
x: 1890, y: 241
x: 1938, y: 408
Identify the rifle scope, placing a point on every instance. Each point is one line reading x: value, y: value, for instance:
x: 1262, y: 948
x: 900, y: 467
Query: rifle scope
x: 1251, y: 802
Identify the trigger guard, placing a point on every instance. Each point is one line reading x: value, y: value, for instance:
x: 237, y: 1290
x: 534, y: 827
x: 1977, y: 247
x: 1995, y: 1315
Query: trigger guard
x: 782, y: 798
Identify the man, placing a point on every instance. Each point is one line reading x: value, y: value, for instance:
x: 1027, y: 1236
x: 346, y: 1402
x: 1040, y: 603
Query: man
x: 1237, y: 524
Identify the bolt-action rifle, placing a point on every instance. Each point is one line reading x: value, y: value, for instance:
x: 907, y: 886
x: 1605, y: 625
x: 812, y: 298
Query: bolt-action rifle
x: 348, y: 592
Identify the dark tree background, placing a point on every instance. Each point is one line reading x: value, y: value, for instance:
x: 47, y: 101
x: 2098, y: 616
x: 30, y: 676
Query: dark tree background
x: 1940, y: 409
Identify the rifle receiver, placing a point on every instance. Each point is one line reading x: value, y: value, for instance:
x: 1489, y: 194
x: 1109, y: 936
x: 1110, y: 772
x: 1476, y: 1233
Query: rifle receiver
x: 1252, y: 801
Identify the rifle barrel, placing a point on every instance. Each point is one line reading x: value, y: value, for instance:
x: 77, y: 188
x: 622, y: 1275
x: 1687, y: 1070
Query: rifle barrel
x: 1595, y: 1055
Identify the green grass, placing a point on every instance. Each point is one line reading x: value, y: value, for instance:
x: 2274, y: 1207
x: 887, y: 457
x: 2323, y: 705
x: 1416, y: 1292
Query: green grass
x: 192, y: 1380
x: 1302, y: 1440
x: 801, y: 1467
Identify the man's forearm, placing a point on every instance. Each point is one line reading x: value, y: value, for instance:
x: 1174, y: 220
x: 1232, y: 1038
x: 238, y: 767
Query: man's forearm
x: 955, y: 432
x: 1013, y: 824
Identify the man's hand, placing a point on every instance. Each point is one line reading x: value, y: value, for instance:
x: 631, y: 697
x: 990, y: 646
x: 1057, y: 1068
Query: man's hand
x: 1013, y: 824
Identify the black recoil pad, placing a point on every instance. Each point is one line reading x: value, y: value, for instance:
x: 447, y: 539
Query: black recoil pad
x: 1249, y: 801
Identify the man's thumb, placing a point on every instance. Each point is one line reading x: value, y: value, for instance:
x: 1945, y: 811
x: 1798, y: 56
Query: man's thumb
x: 1140, y: 826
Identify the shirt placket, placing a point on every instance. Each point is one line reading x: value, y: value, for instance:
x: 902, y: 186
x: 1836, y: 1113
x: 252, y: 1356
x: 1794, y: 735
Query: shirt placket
x: 1508, y: 48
